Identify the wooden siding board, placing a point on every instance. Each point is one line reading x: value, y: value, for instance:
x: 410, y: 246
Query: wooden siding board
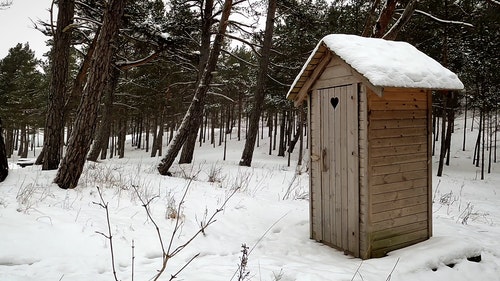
x: 399, y: 132
x: 399, y: 239
x: 336, y: 172
x: 399, y: 150
x: 400, y: 221
x: 398, y: 123
x: 396, y: 195
x: 353, y: 164
x: 397, y: 114
x: 401, y: 212
x: 400, y: 177
x: 315, y: 133
x: 398, y: 168
x: 429, y: 162
x: 328, y: 228
x: 398, y: 105
x: 397, y: 141
x: 395, y: 159
x: 400, y: 203
x: 363, y: 173
x: 382, y: 252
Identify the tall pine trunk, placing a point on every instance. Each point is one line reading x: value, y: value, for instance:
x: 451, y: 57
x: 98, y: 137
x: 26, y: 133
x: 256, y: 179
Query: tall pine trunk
x: 54, y: 124
x: 206, y: 33
x: 101, y: 141
x: 247, y: 155
x: 85, y: 122
x: 4, y: 165
x: 196, y: 107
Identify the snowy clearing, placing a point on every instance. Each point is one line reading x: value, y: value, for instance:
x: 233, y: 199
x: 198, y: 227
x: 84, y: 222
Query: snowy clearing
x: 47, y: 233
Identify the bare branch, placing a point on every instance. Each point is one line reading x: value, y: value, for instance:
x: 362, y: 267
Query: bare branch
x: 443, y: 21
x: 402, y: 21
x: 240, y: 59
x: 104, y: 205
x: 221, y: 95
x: 126, y: 65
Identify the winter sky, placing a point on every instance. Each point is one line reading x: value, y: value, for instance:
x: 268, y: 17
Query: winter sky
x: 16, y: 25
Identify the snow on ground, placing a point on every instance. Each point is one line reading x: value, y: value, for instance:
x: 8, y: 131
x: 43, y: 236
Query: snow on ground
x: 47, y: 233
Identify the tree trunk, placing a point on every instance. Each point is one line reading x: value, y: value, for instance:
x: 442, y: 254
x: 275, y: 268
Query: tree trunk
x: 25, y: 142
x: 449, y: 127
x: 282, y: 141
x: 384, y: 18
x: 206, y: 24
x: 4, y: 165
x: 54, y: 124
x: 101, y: 140
x: 247, y: 155
x: 72, y: 164
x: 196, y: 107
x: 442, y: 152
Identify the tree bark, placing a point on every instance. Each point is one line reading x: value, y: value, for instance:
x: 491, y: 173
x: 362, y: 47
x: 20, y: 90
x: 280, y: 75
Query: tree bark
x: 54, y: 124
x: 442, y: 152
x: 100, y: 145
x: 206, y: 24
x: 196, y: 107
x: 84, y: 126
x: 4, y: 165
x: 246, y: 157
x: 384, y: 18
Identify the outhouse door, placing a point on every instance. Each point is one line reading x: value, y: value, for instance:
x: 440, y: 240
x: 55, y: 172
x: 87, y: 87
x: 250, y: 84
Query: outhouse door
x: 340, y: 167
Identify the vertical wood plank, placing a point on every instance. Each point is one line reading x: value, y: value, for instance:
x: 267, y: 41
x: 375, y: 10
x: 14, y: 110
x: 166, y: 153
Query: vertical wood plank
x: 325, y: 182
x: 333, y: 165
x: 338, y: 167
x: 429, y: 162
x: 353, y: 171
x: 315, y: 178
x: 364, y: 206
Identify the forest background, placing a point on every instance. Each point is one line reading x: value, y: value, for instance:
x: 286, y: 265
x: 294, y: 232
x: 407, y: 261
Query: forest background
x: 182, y: 69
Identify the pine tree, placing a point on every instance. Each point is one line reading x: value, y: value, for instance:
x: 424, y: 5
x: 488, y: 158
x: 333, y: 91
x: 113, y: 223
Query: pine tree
x: 4, y: 165
x: 84, y: 126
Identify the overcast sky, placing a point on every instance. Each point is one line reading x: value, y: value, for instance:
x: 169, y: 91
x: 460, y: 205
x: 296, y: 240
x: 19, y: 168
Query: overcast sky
x: 16, y: 25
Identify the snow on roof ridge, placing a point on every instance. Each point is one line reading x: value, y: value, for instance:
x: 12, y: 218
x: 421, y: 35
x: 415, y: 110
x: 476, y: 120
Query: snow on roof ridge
x: 388, y: 63
x: 392, y: 63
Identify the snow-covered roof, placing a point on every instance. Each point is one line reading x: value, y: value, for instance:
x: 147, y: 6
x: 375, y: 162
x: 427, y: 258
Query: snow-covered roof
x: 383, y: 63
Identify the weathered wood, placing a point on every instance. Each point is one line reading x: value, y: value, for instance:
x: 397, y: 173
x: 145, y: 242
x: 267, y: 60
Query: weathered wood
x: 328, y: 217
x: 405, y: 158
x: 397, y: 114
x: 429, y: 162
x: 398, y: 123
x: 398, y: 213
x: 363, y: 173
x: 397, y: 168
x: 398, y: 105
x: 399, y: 230
x: 390, y: 223
x: 353, y: 170
x: 397, y: 204
x: 399, y: 150
x: 382, y: 252
x: 390, y: 197
x: 391, y: 188
x: 399, y: 177
x: 398, y: 132
x: 398, y: 141
x: 315, y: 135
x: 399, y: 239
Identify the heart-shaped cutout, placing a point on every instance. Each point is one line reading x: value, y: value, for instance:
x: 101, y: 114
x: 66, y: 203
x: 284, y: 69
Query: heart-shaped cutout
x: 334, y: 101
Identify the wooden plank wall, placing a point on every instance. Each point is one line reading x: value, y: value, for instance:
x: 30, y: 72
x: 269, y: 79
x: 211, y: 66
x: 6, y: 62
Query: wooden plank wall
x: 398, y: 169
x: 364, y: 198
x: 315, y: 172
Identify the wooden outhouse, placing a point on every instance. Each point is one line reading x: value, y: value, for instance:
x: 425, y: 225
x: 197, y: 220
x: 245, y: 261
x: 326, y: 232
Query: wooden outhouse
x: 369, y: 112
